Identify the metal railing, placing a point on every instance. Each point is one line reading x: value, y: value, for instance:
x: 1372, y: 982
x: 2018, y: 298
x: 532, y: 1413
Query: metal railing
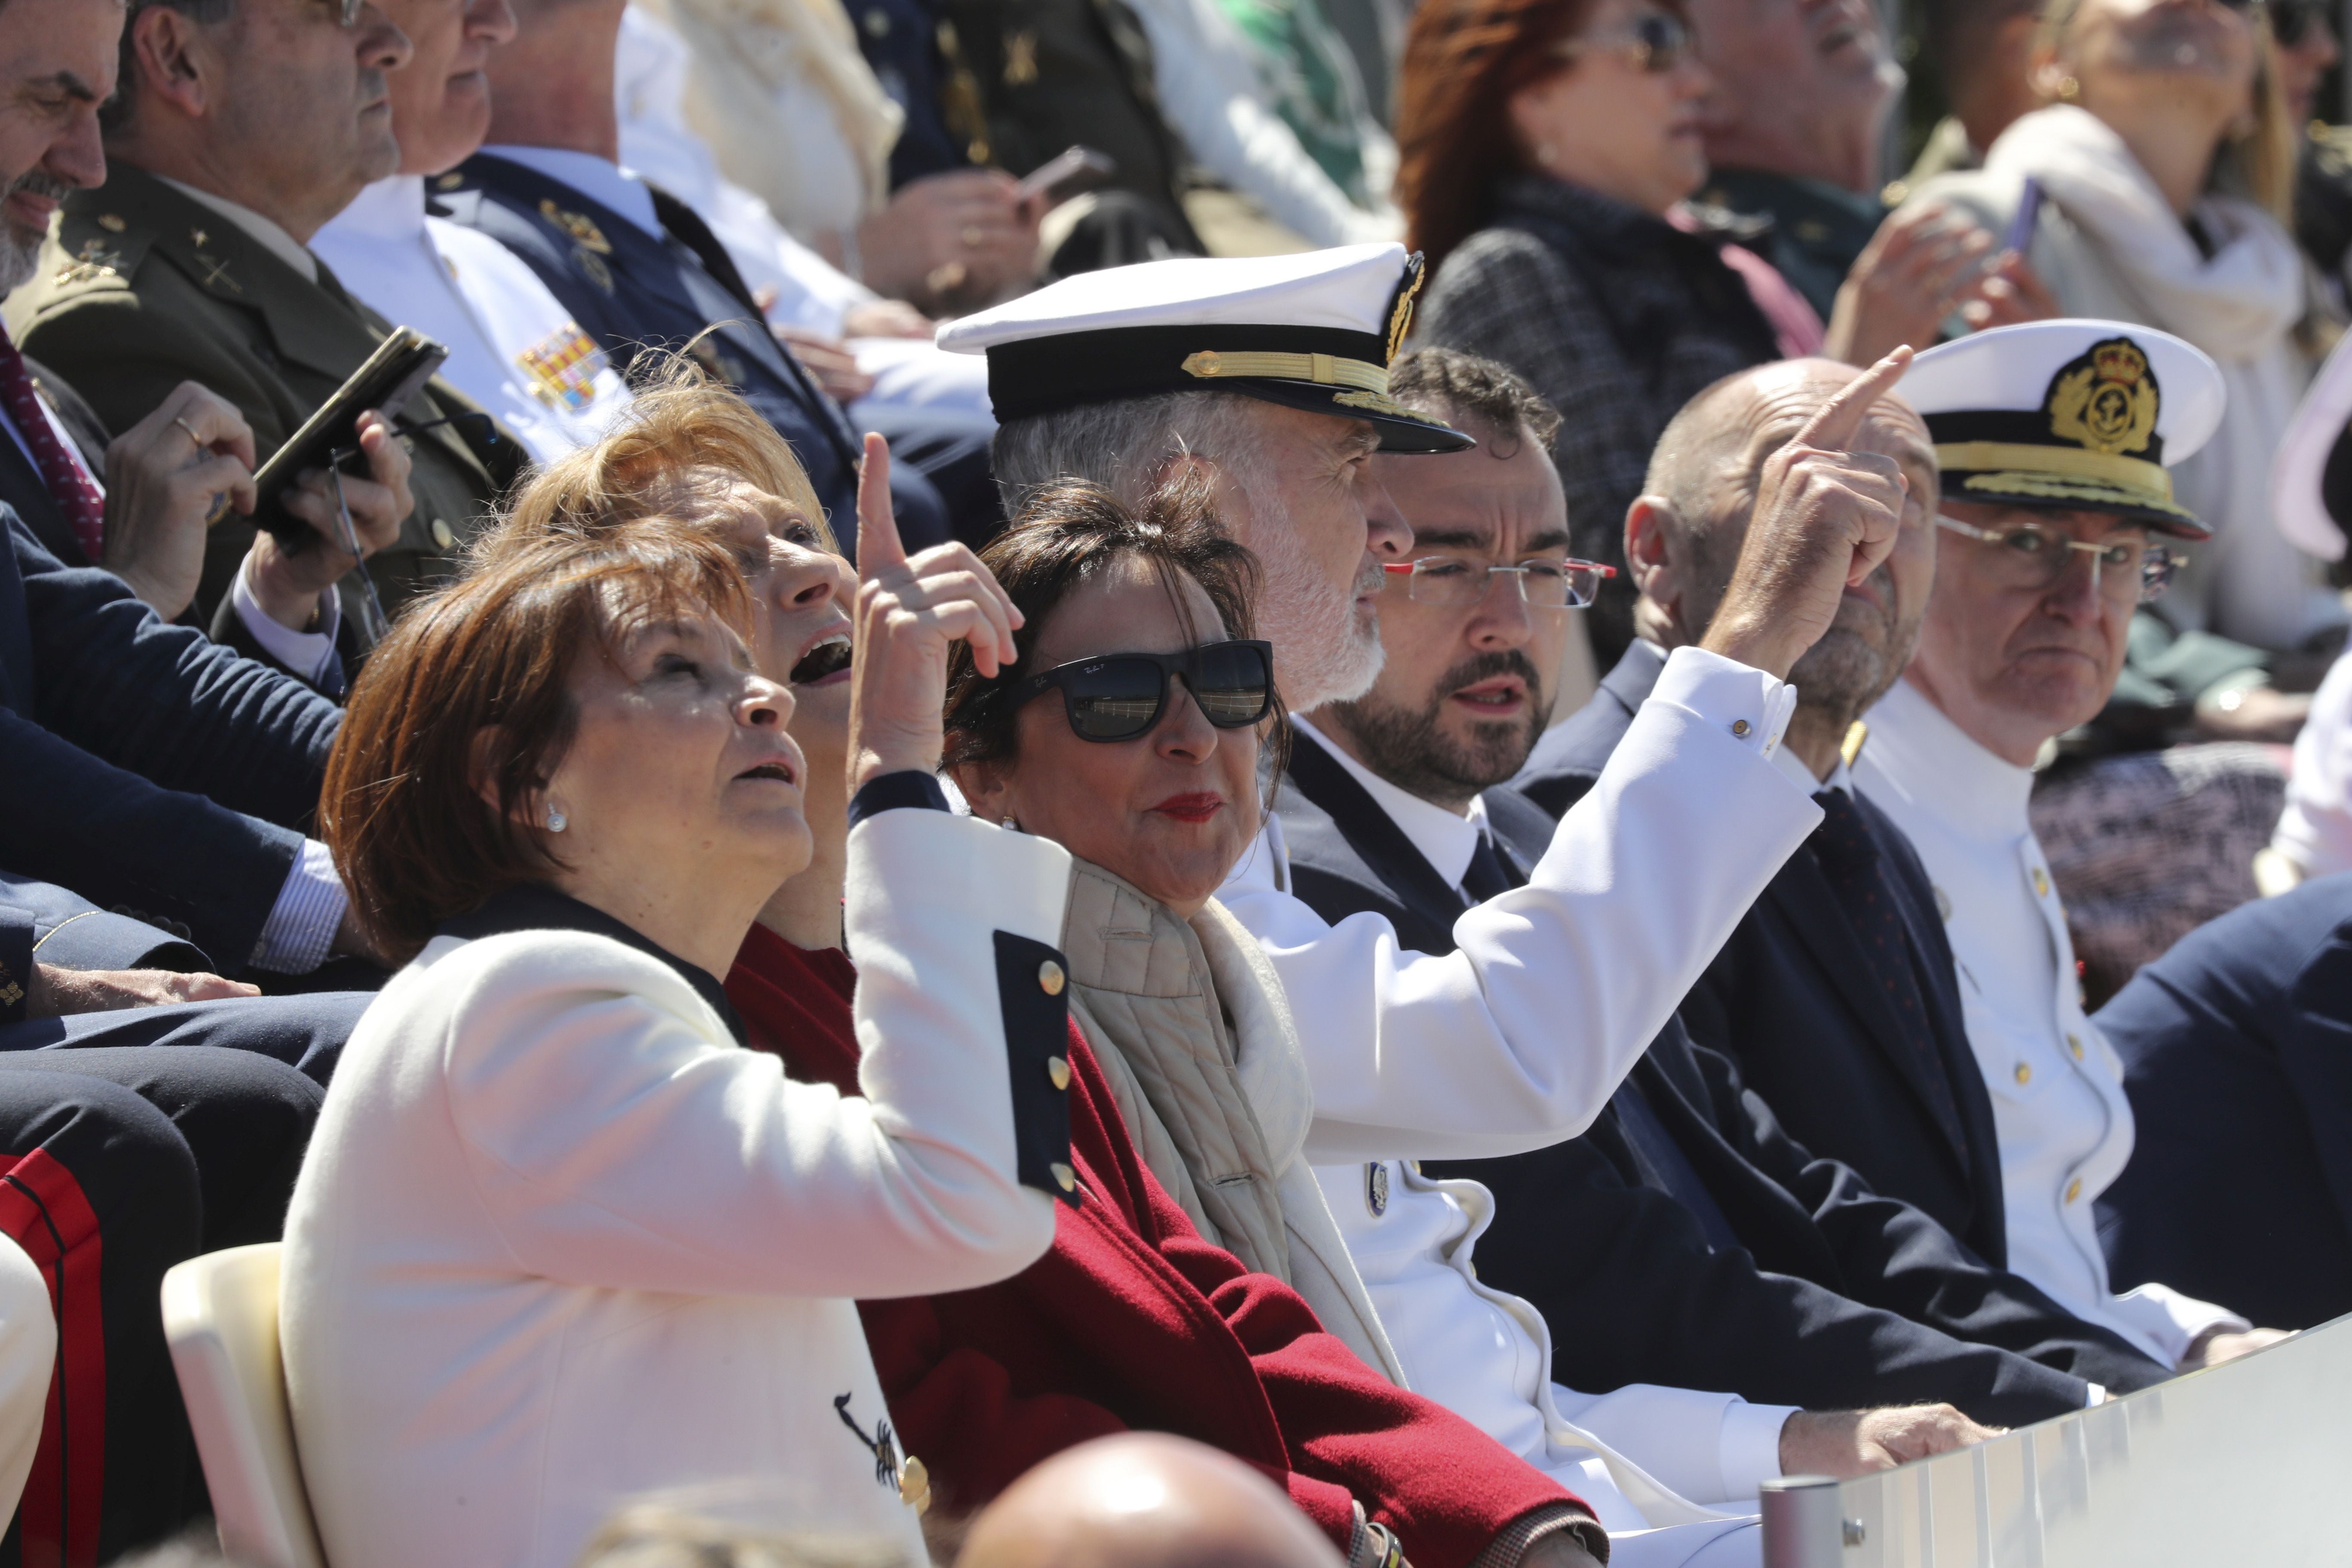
x: 2245, y: 1463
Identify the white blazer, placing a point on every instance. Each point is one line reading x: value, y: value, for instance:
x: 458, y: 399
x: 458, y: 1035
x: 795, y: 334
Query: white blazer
x: 559, y: 1240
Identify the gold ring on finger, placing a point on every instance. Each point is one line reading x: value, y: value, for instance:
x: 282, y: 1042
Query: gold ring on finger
x: 973, y: 235
x: 191, y: 432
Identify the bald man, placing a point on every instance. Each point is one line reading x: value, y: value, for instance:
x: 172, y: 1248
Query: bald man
x: 1688, y: 1241
x: 1144, y: 1499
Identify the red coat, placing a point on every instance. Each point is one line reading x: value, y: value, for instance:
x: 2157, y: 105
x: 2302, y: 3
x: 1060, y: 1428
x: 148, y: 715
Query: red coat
x: 1133, y: 1321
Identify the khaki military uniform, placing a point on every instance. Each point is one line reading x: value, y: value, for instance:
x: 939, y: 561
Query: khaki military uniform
x: 142, y: 288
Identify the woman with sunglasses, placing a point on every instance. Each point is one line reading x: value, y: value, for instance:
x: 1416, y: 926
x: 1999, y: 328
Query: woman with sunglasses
x: 2156, y: 185
x: 1132, y: 1319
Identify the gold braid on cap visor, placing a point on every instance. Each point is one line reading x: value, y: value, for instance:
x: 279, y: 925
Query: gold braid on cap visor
x: 2024, y: 469
x: 1370, y: 382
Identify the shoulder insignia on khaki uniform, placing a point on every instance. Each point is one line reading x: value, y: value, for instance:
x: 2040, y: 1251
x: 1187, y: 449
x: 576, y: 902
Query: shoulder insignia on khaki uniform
x: 578, y: 225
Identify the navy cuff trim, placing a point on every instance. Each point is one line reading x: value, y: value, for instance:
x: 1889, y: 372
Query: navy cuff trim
x: 892, y: 792
x: 1032, y: 990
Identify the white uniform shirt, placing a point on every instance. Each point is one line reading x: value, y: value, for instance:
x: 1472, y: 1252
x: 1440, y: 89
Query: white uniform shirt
x: 560, y: 1241
x: 1644, y: 1457
x: 2315, y: 830
x: 2064, y: 1125
x: 513, y: 348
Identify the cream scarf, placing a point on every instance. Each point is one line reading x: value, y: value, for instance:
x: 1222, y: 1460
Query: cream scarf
x: 1192, y: 1027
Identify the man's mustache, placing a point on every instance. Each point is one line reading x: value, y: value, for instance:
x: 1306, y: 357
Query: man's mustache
x: 38, y: 183
x: 1487, y: 666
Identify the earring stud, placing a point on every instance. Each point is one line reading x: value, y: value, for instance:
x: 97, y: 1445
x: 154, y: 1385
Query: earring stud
x: 556, y: 821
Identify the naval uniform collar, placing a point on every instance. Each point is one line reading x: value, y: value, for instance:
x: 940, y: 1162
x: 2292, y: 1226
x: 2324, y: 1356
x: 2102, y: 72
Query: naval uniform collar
x: 1445, y: 840
x: 390, y: 209
x: 599, y: 179
x: 1946, y: 774
x: 535, y: 906
x: 263, y: 232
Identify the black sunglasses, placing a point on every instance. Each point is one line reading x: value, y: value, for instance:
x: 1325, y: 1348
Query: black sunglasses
x: 1120, y: 696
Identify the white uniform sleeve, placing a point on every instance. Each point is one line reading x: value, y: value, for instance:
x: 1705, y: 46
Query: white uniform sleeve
x: 28, y: 1354
x: 1709, y: 1449
x: 1208, y: 87
x: 1516, y: 1040
x: 615, y: 1144
x: 2170, y: 1319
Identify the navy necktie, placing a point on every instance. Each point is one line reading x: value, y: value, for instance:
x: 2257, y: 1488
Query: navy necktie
x: 1489, y: 873
x: 1849, y: 856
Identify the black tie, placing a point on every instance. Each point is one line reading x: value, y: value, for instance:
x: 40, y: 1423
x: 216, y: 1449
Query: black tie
x: 1489, y: 873
x: 1849, y: 859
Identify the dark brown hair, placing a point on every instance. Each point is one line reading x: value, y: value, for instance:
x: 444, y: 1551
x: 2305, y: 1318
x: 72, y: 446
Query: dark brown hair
x: 1067, y: 533
x: 470, y: 696
x: 1446, y: 382
x: 1464, y: 59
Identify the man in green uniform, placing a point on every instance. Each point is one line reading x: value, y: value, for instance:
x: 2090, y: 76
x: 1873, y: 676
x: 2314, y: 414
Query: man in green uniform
x: 239, y: 128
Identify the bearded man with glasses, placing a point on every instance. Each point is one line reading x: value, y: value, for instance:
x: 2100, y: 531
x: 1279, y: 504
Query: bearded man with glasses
x: 2058, y: 523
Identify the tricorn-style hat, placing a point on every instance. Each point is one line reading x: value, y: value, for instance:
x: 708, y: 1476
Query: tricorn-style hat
x: 2069, y: 415
x: 1314, y: 331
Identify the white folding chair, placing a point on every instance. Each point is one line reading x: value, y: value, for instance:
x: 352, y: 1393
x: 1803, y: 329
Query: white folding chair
x: 220, y: 1315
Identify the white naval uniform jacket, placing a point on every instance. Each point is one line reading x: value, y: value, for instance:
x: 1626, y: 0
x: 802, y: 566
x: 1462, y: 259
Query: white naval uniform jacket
x: 513, y: 348
x: 560, y: 1241
x: 2059, y: 1107
x: 1516, y: 1040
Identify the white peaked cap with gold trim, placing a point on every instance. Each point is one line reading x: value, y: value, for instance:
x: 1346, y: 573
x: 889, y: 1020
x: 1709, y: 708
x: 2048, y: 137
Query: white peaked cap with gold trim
x: 1315, y: 330
x: 2069, y: 415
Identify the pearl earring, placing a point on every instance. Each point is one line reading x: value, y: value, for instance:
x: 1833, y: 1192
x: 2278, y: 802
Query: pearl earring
x: 1012, y: 823
x: 2069, y: 89
x: 1545, y: 154
x: 556, y: 821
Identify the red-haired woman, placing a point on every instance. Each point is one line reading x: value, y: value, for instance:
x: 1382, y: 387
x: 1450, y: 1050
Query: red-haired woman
x: 1544, y: 145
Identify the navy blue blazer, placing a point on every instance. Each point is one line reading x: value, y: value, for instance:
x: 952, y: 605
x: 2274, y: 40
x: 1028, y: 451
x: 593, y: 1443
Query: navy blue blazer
x: 147, y: 768
x: 1814, y: 1290
x: 1791, y: 1000
x: 631, y: 292
x: 2237, y: 1048
x: 41, y: 920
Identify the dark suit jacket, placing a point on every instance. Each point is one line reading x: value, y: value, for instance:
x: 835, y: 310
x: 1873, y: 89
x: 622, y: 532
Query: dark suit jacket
x: 143, y: 288
x: 147, y: 768
x: 21, y: 485
x: 42, y: 921
x: 1833, y: 1295
x: 2237, y: 1048
x: 1791, y: 1000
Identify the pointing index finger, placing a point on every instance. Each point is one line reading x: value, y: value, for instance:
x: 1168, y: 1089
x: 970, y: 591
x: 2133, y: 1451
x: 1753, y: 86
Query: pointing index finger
x: 878, y: 549
x: 1831, y: 429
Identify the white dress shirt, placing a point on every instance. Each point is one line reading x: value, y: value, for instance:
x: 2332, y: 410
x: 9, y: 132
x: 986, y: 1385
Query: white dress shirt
x: 1646, y: 1458
x: 513, y: 348
x: 2059, y: 1107
x: 2315, y: 830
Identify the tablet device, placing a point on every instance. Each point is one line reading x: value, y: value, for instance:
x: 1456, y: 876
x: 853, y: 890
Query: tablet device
x: 395, y: 374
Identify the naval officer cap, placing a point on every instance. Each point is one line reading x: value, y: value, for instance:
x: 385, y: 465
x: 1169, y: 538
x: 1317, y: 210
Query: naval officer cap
x: 2069, y: 415
x: 1314, y: 331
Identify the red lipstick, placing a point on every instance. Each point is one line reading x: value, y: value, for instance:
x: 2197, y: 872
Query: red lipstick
x: 1198, y: 806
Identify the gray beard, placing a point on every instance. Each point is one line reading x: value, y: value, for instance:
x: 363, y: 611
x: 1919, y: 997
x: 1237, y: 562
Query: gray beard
x: 20, y: 248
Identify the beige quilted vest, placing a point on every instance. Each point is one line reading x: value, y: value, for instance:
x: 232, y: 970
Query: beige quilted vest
x: 1190, y: 1023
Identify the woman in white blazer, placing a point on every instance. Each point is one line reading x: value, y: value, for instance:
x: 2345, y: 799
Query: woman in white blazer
x: 559, y: 1240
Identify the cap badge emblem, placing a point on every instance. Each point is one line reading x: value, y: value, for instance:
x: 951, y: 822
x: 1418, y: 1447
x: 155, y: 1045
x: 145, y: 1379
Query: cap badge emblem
x: 1416, y: 272
x: 578, y: 225
x: 2107, y: 400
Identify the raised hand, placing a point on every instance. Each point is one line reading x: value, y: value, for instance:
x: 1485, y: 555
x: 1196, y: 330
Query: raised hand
x: 909, y: 612
x: 1825, y: 517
